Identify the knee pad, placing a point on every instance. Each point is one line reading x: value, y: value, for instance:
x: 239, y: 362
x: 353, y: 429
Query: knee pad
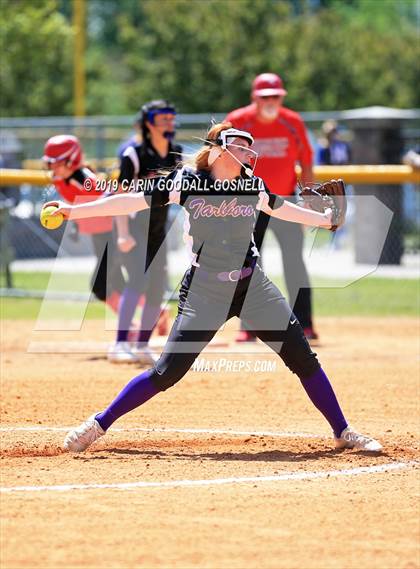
x: 297, y: 353
x: 169, y: 369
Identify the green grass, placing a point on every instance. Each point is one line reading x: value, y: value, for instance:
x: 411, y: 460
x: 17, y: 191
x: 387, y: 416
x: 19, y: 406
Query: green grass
x: 29, y: 309
x: 366, y: 297
x: 370, y: 297
x: 75, y: 282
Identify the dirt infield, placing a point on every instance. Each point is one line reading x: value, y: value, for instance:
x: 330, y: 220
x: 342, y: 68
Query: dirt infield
x: 231, y: 469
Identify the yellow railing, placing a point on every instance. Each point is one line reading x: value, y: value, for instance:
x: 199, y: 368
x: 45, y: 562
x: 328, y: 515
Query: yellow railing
x: 357, y: 174
x: 10, y: 177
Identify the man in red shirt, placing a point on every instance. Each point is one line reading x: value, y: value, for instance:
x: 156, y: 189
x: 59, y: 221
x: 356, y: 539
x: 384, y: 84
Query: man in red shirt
x: 281, y: 141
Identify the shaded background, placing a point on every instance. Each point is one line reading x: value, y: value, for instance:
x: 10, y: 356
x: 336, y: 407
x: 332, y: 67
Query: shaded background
x: 204, y: 54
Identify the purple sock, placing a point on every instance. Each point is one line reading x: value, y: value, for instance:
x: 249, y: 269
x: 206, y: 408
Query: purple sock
x: 127, y: 308
x: 149, y: 318
x: 322, y: 395
x: 139, y: 390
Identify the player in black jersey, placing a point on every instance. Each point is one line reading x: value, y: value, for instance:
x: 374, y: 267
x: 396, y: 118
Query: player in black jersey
x: 141, y: 236
x: 222, y: 199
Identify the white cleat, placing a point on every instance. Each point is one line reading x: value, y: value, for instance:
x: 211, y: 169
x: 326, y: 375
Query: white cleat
x: 122, y: 353
x: 77, y: 440
x: 144, y: 355
x: 350, y: 439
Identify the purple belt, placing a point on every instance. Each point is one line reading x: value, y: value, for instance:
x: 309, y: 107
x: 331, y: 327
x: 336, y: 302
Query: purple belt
x: 226, y: 276
x: 235, y: 275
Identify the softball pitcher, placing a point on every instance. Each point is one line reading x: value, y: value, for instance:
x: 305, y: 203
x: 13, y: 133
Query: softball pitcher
x: 222, y: 199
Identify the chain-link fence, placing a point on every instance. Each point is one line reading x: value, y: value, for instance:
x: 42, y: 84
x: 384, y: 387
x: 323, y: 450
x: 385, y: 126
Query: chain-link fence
x: 22, y: 142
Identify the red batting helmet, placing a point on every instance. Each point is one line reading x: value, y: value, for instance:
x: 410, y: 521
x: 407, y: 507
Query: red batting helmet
x: 268, y: 85
x: 63, y: 147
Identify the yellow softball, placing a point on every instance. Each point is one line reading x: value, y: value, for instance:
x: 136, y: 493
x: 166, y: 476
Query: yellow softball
x: 49, y: 221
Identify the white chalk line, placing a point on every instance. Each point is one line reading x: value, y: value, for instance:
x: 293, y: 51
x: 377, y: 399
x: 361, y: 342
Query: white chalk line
x: 285, y: 434
x: 216, y: 481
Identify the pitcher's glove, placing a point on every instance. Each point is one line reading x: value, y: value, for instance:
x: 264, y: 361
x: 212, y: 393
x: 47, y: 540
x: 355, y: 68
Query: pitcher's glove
x: 320, y: 197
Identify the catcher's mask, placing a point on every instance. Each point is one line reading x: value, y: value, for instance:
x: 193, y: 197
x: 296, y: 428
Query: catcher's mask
x: 222, y: 143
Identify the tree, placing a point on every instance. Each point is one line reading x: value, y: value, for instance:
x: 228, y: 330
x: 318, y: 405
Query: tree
x: 36, y: 63
x: 203, y: 54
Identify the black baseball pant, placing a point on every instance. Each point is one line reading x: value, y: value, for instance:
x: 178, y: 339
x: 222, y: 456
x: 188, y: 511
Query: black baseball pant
x: 206, y: 304
x: 290, y: 239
